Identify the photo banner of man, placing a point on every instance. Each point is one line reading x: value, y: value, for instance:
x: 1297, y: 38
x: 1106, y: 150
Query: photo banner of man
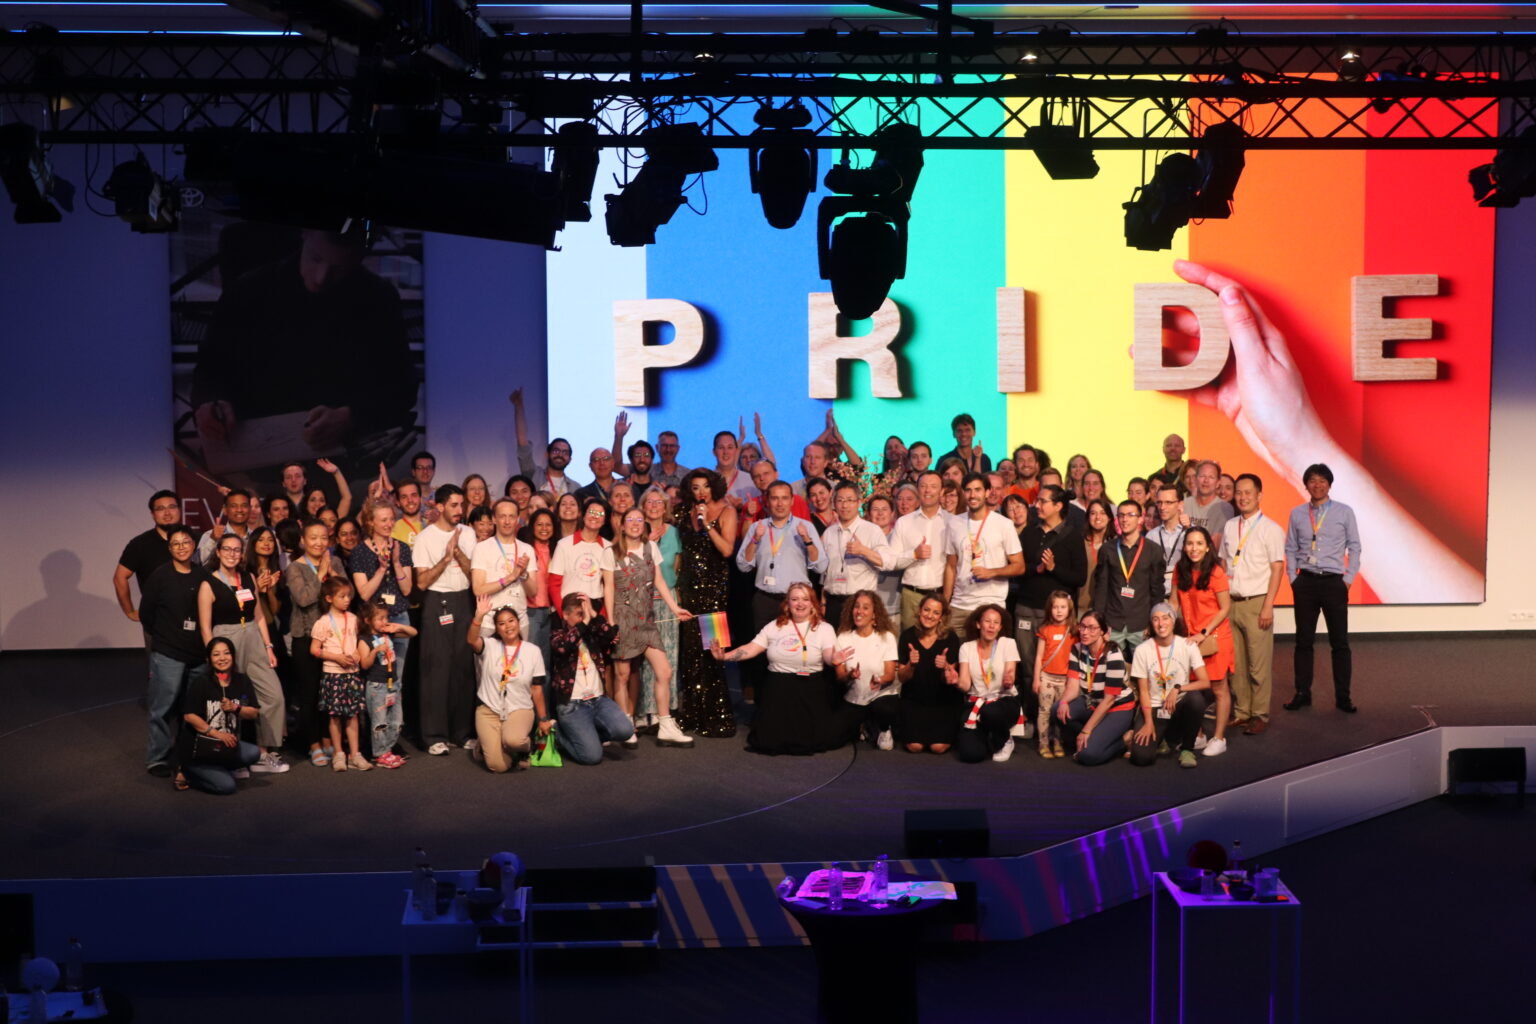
x: 293, y: 347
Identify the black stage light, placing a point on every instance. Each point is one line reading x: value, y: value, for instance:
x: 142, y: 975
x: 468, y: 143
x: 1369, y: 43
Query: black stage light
x: 1510, y: 177
x: 673, y: 152
x: 1062, y: 151
x: 575, y: 169
x: 29, y: 178
x: 143, y: 198
x: 1221, y: 163
x: 1351, y: 66
x: 1164, y: 204
x: 782, y: 165
x: 861, y: 236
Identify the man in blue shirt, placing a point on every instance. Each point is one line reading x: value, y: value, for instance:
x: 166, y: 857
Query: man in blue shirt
x: 780, y: 549
x: 1322, y: 558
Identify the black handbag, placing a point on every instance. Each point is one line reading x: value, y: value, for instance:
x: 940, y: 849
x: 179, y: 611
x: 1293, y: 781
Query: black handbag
x: 207, y: 749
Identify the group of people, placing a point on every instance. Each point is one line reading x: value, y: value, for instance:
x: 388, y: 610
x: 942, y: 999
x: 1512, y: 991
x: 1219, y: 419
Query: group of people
x: 939, y: 604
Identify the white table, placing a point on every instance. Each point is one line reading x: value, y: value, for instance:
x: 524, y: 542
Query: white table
x: 448, y: 933
x: 1217, y: 959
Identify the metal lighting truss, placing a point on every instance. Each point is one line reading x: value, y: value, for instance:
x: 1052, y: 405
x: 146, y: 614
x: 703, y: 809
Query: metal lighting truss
x: 1137, y: 91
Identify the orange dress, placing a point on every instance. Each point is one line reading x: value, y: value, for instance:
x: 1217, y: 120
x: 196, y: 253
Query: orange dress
x: 1200, y: 606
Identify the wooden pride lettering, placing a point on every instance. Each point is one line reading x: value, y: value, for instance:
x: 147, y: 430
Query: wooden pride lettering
x: 1371, y: 331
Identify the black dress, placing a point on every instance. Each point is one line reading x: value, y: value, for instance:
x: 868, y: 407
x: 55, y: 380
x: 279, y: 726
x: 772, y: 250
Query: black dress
x: 703, y: 586
x: 932, y: 710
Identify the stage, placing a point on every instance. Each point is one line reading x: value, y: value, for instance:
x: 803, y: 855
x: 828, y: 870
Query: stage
x: 78, y: 803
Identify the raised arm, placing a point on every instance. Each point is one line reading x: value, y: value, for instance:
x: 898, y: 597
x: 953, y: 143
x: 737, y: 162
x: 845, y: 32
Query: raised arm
x: 343, y: 491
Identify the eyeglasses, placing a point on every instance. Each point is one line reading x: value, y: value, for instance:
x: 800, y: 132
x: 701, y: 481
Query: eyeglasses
x: 560, y: 450
x: 1131, y: 515
x: 165, y: 508
x: 1084, y: 627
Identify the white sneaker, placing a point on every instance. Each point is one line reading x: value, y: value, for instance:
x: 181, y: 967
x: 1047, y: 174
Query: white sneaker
x: 1215, y: 747
x: 1201, y: 741
x: 1017, y: 732
x: 471, y: 744
x: 885, y: 741
x: 241, y: 773
x: 668, y: 734
x: 438, y: 749
x: 270, y: 763
x: 1004, y: 752
x: 632, y: 742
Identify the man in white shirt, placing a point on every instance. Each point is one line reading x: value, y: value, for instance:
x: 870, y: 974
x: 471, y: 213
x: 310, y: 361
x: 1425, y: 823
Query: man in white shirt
x: 442, y: 554
x: 504, y: 568
x: 919, y: 544
x: 981, y: 551
x: 856, y: 550
x: 1169, y: 535
x: 1253, y: 553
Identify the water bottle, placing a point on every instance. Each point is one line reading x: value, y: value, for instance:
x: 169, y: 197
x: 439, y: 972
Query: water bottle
x: 426, y: 893
x: 418, y: 866
x: 880, y: 887
x: 1235, y: 869
x: 835, y: 887
x: 74, y: 967
x: 786, y: 888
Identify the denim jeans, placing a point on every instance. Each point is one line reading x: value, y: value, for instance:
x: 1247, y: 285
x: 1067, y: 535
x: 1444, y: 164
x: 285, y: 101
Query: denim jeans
x: 584, y: 725
x: 166, y: 678
x: 216, y: 779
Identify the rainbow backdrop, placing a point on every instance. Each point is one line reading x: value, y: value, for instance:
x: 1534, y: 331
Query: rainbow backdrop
x: 1305, y: 223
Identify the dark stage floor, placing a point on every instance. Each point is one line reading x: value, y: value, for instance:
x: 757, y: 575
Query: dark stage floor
x: 77, y: 803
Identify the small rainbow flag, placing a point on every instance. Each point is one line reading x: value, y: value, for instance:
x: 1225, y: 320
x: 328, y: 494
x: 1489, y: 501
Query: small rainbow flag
x: 713, y: 628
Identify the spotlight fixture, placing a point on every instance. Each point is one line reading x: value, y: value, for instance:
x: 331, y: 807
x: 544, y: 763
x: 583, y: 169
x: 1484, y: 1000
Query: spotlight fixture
x: 142, y: 197
x: 29, y: 178
x: 575, y: 169
x: 1221, y: 163
x: 1164, y: 204
x: 861, y: 235
x: 1061, y: 148
x: 782, y: 164
x: 673, y: 152
x: 1029, y: 57
x: 1351, y: 66
x: 1510, y: 177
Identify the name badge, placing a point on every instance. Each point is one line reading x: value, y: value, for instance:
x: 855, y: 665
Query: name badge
x: 188, y: 625
x: 243, y: 595
x: 802, y: 672
x: 1164, y: 713
x: 389, y: 701
x: 389, y: 599
x: 841, y: 577
x: 1127, y: 591
x: 1312, y: 559
x: 769, y: 581
x: 1025, y: 624
x: 445, y: 619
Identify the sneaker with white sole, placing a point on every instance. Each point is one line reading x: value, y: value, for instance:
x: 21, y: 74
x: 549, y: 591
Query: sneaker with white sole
x: 1004, y: 752
x: 1200, y: 741
x: 270, y: 763
x: 632, y: 742
x: 472, y: 744
x: 885, y: 741
x: 1215, y: 747
x: 1187, y: 759
x: 668, y: 734
x: 438, y: 749
x: 241, y: 773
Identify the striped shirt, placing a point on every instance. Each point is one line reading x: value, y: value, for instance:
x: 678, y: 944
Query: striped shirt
x: 1108, y: 676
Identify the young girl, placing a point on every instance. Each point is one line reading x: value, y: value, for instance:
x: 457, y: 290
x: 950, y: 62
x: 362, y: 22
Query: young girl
x: 989, y: 663
x: 334, y: 640
x: 381, y: 666
x: 1053, y: 650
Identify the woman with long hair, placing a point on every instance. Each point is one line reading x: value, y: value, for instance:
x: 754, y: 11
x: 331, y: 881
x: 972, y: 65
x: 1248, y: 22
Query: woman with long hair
x: 567, y: 515
x: 708, y: 525
x: 870, y: 700
x: 989, y: 665
x: 1205, y: 604
x: 1098, y: 529
x: 657, y: 509
x: 540, y: 534
x: 632, y: 581
x: 932, y: 703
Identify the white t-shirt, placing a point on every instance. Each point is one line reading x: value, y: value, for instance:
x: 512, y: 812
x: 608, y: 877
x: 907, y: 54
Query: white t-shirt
x: 988, y: 678
x: 498, y: 558
x: 589, y: 681
x: 428, y: 548
x: 1176, y: 667
x: 870, y: 653
x: 989, y: 545
x: 525, y: 662
x: 580, y: 563
x: 795, y: 650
